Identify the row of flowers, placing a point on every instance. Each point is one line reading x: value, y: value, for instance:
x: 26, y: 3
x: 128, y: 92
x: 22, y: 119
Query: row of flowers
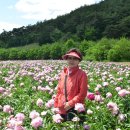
x: 27, y: 93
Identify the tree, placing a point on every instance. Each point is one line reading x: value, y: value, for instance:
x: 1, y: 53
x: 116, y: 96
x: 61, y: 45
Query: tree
x: 13, y: 54
x: 56, y: 35
x: 70, y: 44
x: 121, y: 51
x: 56, y: 51
x: 22, y: 54
x: 85, y: 45
x: 90, y: 33
x: 46, y: 51
x: 2, y: 44
x: 4, y: 54
x: 45, y: 36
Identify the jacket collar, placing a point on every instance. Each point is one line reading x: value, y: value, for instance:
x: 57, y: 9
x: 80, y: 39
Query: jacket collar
x: 70, y: 71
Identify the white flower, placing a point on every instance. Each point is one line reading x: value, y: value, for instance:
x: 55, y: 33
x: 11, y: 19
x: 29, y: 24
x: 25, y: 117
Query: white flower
x: 105, y: 84
x: 76, y: 119
x: 43, y: 113
x: 89, y: 112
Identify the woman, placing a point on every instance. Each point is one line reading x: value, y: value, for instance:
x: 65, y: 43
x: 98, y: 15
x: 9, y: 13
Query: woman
x: 72, y: 86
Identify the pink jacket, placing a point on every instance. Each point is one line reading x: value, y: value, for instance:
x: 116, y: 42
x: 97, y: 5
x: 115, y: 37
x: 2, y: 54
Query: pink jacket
x: 76, y: 88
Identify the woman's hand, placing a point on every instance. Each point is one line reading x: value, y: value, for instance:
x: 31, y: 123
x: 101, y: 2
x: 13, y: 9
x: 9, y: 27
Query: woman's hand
x: 67, y: 106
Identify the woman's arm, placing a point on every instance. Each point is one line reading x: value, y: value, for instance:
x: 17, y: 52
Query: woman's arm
x: 58, y: 93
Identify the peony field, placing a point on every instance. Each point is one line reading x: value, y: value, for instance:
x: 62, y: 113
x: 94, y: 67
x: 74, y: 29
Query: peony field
x: 28, y: 89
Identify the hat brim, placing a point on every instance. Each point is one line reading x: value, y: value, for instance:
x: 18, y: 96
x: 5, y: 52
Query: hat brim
x: 70, y: 54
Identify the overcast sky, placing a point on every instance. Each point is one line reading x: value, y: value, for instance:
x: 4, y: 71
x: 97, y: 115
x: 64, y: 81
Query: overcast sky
x: 17, y: 13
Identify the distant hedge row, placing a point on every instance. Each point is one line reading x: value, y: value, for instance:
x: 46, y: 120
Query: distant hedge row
x: 102, y: 50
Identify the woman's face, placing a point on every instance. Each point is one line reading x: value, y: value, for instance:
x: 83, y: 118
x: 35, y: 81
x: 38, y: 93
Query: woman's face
x: 72, y: 61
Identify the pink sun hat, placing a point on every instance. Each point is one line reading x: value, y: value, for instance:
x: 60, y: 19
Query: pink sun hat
x: 71, y: 54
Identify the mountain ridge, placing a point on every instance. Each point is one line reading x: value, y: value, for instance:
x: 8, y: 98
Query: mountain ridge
x: 108, y: 18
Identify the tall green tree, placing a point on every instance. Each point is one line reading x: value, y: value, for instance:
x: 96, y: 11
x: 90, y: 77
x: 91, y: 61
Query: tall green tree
x: 56, y: 51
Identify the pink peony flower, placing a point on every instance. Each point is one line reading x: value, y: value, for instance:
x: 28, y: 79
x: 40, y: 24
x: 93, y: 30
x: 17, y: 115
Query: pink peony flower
x: 113, y: 107
x: 108, y: 95
x: 7, y: 109
x: 37, y: 122
x: 11, y: 123
x: 55, y: 110
x: 91, y: 96
x: 39, y: 102
x: 98, y: 98
x: 99, y: 86
x: 50, y: 103
x: 118, y: 89
x: 14, y: 124
x: 57, y: 118
x: 79, y: 107
x: 123, y: 92
x: 20, y: 117
x: 34, y: 114
x: 115, y: 110
x: 2, y: 89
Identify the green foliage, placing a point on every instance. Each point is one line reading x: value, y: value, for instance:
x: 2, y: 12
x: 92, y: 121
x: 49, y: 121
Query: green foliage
x: 109, y: 49
x: 2, y: 44
x: 85, y: 45
x: 121, y: 51
x: 102, y: 50
x: 22, y: 54
x: 31, y: 54
x: 56, y: 52
x: 29, y: 46
x: 13, y: 54
x: 99, y: 52
x: 25, y: 82
x: 90, y: 33
x: 56, y: 35
x: 70, y: 44
x: 46, y: 51
x: 4, y: 54
x: 113, y: 55
x: 90, y: 54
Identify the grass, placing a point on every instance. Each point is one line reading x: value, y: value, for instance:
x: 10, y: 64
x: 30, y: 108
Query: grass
x: 30, y: 46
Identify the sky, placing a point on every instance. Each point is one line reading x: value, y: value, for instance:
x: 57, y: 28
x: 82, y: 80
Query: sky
x: 18, y: 13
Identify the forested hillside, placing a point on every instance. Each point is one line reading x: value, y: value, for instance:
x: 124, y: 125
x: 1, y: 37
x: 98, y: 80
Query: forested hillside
x: 109, y: 18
